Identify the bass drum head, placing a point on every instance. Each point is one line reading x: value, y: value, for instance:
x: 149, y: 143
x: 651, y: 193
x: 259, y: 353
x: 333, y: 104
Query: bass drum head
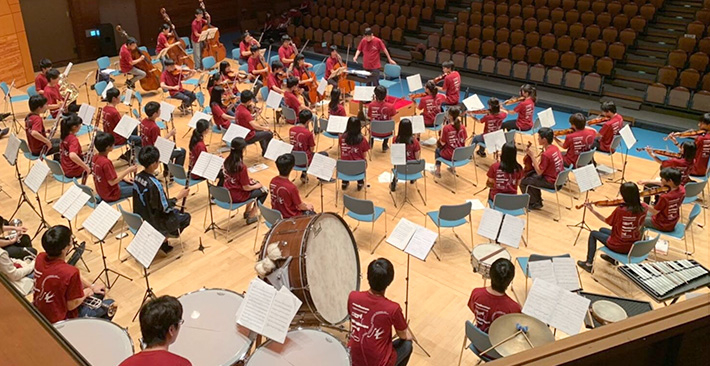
x: 332, y: 267
x: 100, y: 341
x: 303, y: 347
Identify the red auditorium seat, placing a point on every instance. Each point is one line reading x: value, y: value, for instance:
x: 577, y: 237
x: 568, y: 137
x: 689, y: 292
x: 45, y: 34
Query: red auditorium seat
x: 605, y: 65
x: 449, y: 28
x: 647, y: 11
x: 560, y: 29
x: 534, y: 55
x: 532, y: 39
x: 705, y: 84
x: 460, y: 44
x: 542, y: 13
x: 704, y: 45
x: 433, y: 40
x: 592, y: 32
x: 489, y: 20
x: 501, y: 8
x: 504, y: 67
x: 697, y: 28
x: 544, y: 26
x: 630, y: 10
x: 553, y: 4
x: 459, y: 59
x: 488, y: 48
x: 488, y: 65
x: 687, y: 44
x: 576, y: 30
x: 444, y: 55
x: 572, y: 16
x: 502, y: 35
x: 528, y: 12
x: 617, y: 51
x: 474, y: 31
x: 568, y: 5
x: 603, y: 20
x: 489, y: 7
x: 620, y: 21
x: 518, y: 52
x: 502, y: 21
x: 585, y: 63
x: 598, y: 48
x: 627, y: 36
x: 564, y: 43
x: 677, y: 58
x: 547, y: 42
x: 701, y: 101
x: 557, y: 15
x: 398, y: 35
x: 580, y: 46
x: 530, y: 25
x: 598, y: 6
x: 473, y: 62
x: 488, y: 33
x: 473, y: 46
x: 587, y: 18
x: 551, y: 58
x: 516, y: 23
x: 554, y: 76
x: 537, y: 73
x: 592, y: 83
x: 614, y: 8
x: 568, y: 60
x: 679, y: 97
x: 573, y: 79
x: 461, y: 29
x: 689, y: 78
x: 515, y: 10
x: 703, y: 15
x: 447, y: 42
x: 502, y: 50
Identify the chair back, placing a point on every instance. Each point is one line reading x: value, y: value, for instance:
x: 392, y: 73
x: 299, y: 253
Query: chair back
x: 480, y: 341
x: 103, y: 62
x: 510, y: 136
x: 694, y: 213
x: 301, y: 158
x: 393, y: 71
x: 536, y: 125
x: 318, y: 69
x: 55, y: 167
x: 188, y: 44
x: 4, y: 87
x: 288, y: 113
x: 219, y: 193
x: 511, y: 202
x: 93, y: 198
x: 32, y: 90
x: 264, y: 91
x: 358, y: 206
x: 133, y: 220
x: 454, y: 212
x: 693, y: 189
x: 178, y: 171
x: 322, y: 124
x: 200, y: 99
x: 208, y: 62
x: 412, y: 167
x: 540, y: 257
x: 100, y: 87
x: 463, y: 153
x: 439, y: 119
x: 615, y: 143
x: 585, y: 158
x: 351, y: 167
x: 269, y: 214
x: 25, y: 148
x: 273, y: 58
x: 143, y: 49
x: 382, y: 127
x: 138, y: 96
x: 244, y: 67
x: 641, y: 248
x: 236, y: 53
x: 563, y: 177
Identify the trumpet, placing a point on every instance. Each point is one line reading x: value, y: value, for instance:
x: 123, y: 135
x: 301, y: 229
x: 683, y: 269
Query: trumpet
x: 66, y: 87
x: 93, y: 302
x: 13, y: 234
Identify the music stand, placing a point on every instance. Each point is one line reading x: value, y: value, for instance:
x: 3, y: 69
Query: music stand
x: 587, y: 180
x: 8, y: 100
x: 629, y: 141
x: 99, y: 224
x: 321, y: 167
x: 143, y: 248
x: 24, y: 199
x: 406, y: 190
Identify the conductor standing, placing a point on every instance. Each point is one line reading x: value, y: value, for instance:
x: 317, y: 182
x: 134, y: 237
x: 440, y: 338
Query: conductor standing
x: 370, y: 47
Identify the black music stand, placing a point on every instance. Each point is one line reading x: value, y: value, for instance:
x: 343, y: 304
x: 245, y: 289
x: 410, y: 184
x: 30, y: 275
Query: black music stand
x: 406, y: 193
x: 24, y: 199
x: 8, y: 99
x: 149, y: 294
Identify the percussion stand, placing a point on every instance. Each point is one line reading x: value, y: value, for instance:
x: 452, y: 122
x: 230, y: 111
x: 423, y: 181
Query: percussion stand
x: 406, y: 308
x: 75, y: 246
x: 149, y: 295
x: 582, y: 225
x: 107, y: 270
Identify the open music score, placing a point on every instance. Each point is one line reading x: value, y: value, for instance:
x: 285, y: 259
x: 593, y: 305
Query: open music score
x: 166, y: 111
x: 209, y: 33
x: 494, y: 141
x: 336, y: 124
x: 322, y: 85
x: 398, y: 154
x: 268, y: 311
x: 101, y: 220
x: 126, y: 126
x: 108, y: 87
x: 556, y: 306
x: 145, y: 244
x: 547, y: 118
x: 128, y: 96
x: 234, y: 131
x: 86, y: 113
x: 12, y: 149
x: 587, y: 178
x: 628, y: 136
x: 67, y: 70
x: 473, y: 103
x: 274, y: 99
x: 363, y: 93
x: 559, y: 270
x: 322, y: 167
x: 208, y: 166
x: 36, y: 176
x: 502, y: 228
x: 165, y: 147
x: 418, y: 125
x: 659, y: 279
x: 71, y: 202
x: 277, y: 148
x: 413, y: 239
x: 414, y: 82
x: 196, y: 117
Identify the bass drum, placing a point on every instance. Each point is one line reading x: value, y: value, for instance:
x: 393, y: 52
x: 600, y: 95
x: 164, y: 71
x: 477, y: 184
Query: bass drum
x: 99, y: 341
x: 302, y: 347
x: 321, y: 265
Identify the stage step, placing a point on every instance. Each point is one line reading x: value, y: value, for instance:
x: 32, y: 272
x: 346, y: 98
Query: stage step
x: 651, y: 53
x: 674, y: 19
x: 621, y: 72
x: 654, y: 46
x: 632, y: 85
x: 660, y: 40
x: 645, y: 60
x: 623, y: 93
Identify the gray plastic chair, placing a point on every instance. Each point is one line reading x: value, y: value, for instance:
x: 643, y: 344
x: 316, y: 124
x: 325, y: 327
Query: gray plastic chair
x: 452, y: 216
x: 693, y: 190
x: 638, y: 253
x: 364, y: 211
x: 223, y: 199
x: 133, y: 221
x: 412, y: 171
x: 301, y: 161
x: 270, y: 216
x: 479, y: 343
x: 381, y: 127
x: 560, y: 182
x: 516, y: 205
x: 349, y: 171
x: 510, y: 136
x: 288, y: 113
x: 615, y: 143
x: 461, y: 157
x: 681, y: 229
x: 27, y: 153
x: 322, y: 127
x: 585, y: 158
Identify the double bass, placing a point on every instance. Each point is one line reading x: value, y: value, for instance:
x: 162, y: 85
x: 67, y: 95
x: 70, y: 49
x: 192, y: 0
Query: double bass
x: 151, y: 81
x: 213, y: 47
x: 176, y: 50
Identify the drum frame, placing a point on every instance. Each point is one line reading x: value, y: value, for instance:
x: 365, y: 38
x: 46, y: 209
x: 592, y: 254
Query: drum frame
x: 125, y: 331
x: 300, y: 285
x: 317, y: 329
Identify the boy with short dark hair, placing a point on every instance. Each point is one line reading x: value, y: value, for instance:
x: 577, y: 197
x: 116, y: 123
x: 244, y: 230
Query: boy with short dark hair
x: 577, y: 142
x: 173, y: 84
x: 150, y: 132
x: 610, y: 128
x: 45, y: 65
x: 112, y: 117
x: 380, y: 110
x: 128, y: 64
x: 490, y: 303
x: 51, y: 92
x: 110, y: 186
x: 34, y: 128
x: 244, y: 118
x: 665, y: 214
x: 544, y: 170
x: 284, y: 194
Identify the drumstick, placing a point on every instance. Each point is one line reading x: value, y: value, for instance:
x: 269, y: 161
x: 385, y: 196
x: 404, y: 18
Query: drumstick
x: 503, y: 341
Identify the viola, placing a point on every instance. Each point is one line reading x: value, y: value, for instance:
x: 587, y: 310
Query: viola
x: 689, y: 133
x: 620, y: 201
x: 152, y: 79
x: 176, y: 52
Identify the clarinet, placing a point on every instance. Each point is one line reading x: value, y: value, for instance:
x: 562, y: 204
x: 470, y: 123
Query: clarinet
x: 53, y: 131
x: 89, y: 157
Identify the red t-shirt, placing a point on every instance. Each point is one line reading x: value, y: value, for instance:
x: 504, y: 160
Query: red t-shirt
x: 244, y: 119
x: 702, y: 155
x: 272, y: 81
x: 338, y: 111
x: 70, y: 144
x: 372, y: 318
x: 56, y: 283
x: 284, y: 197
x: 104, y: 172
x: 171, y: 80
x: 198, y: 149
x: 493, y: 122
x: 609, y: 130
x: 149, y: 132
x: 197, y: 26
x: 244, y: 47
x: 125, y: 59
x: 53, y: 97
x: 235, y: 183
x: 291, y: 101
x: 371, y: 53
x: 34, y: 122
x: 252, y: 62
x: 302, y: 140
x: 431, y: 106
x: 504, y: 182
x: 155, y: 358
x: 625, y: 228
x: 111, y: 118
x: 551, y: 163
x: 354, y: 152
x: 452, y: 139
x: 680, y: 164
x: 286, y: 52
x: 217, y: 113
x: 576, y: 143
x: 162, y: 42
x: 40, y: 82
x: 380, y: 111
x: 488, y: 307
x: 668, y: 207
x: 329, y: 64
x: 452, y: 87
x: 525, y: 111
x: 412, y: 148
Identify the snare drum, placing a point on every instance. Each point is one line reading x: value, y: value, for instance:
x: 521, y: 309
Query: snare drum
x: 100, y: 341
x: 483, y: 256
x: 324, y: 266
x: 302, y: 347
x: 209, y: 336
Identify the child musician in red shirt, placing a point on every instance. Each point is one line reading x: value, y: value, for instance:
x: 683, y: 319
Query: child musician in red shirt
x: 59, y: 290
x: 51, y: 92
x: 335, y: 107
x: 245, y: 45
x: 412, y: 147
x: 237, y: 181
x: 160, y: 319
x: 430, y: 104
x: 70, y: 149
x: 525, y: 110
x: 379, y: 110
x: 452, y: 83
x: 162, y: 42
x: 664, y: 215
x: 150, y: 132
x: 302, y: 138
x: 223, y: 117
x: 504, y: 176
x: 275, y: 79
x: 372, y: 317
x: 257, y: 68
x: 683, y: 163
x: 610, y: 128
x: 626, y: 222
x: 128, y: 64
x: 244, y: 118
x: 702, y: 146
x: 492, y: 121
x: 197, y: 146
x: 173, y: 84
x: 34, y: 128
x: 287, y: 51
x: 197, y: 25
x: 545, y: 169
x: 370, y: 47
x: 284, y: 194
x: 490, y: 303
x: 112, y: 118
x: 110, y: 186
x: 45, y: 65
x: 577, y: 142
x: 353, y: 146
x: 291, y: 97
x: 453, y: 136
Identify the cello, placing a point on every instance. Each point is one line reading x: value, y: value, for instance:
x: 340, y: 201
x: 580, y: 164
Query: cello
x: 176, y: 50
x: 345, y: 85
x: 151, y: 81
x: 213, y: 47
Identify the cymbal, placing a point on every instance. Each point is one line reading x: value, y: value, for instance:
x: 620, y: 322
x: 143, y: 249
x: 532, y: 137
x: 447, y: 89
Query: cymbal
x: 505, y: 326
x: 606, y: 311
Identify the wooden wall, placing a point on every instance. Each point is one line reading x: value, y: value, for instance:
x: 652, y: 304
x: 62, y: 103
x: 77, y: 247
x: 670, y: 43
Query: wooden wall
x: 85, y: 15
x: 15, y: 60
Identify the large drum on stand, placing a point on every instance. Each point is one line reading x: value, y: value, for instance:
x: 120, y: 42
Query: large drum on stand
x: 302, y: 347
x: 319, y: 264
x: 99, y: 341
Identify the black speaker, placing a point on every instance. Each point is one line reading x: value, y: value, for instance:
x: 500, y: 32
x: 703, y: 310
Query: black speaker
x: 107, y: 40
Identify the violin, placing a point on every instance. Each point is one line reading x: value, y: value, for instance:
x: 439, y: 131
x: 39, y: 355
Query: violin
x: 665, y: 153
x: 514, y: 100
x: 478, y: 111
x: 620, y: 201
x: 564, y: 132
x: 183, y: 72
x: 597, y: 120
x: 689, y: 133
x: 440, y: 78
x: 417, y: 95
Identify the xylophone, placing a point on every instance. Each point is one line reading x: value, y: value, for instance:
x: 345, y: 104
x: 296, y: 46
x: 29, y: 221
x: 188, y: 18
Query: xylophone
x: 670, y: 279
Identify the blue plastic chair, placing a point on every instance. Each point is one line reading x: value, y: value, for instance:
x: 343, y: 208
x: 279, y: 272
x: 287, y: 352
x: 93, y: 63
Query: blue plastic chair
x: 319, y: 70
x: 223, y: 199
x: 382, y: 128
x: 138, y: 97
x: 479, y: 343
x: 515, y: 205
x: 180, y: 176
x: 57, y: 173
x: 364, y: 211
x: 322, y: 126
x: 244, y: 67
x: 680, y: 230
x: 412, y: 171
x: 392, y: 72
x: 94, y: 198
x: 693, y: 190
x: 264, y: 92
x: 104, y: 63
x: 200, y: 96
x: 188, y: 45
x: 560, y: 182
x: 638, y: 253
x: 461, y: 157
x: 438, y: 122
x: 274, y: 58
x: 350, y: 171
x: 301, y: 161
x: 536, y: 127
x: 32, y: 91
x: 208, y: 63
x: 452, y: 216
x: 18, y: 98
x: 615, y: 143
x: 133, y: 221
x: 236, y: 54
x: 100, y: 87
x: 27, y: 153
x: 270, y: 216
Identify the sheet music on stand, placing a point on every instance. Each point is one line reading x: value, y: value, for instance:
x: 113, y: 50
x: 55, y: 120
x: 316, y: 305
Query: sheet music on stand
x: 233, y: 132
x: 196, y: 117
x: 558, y: 270
x: 101, y: 220
x: 413, y: 239
x: 36, y: 176
x: 145, y: 244
x: 67, y: 70
x: 473, y: 103
x: 268, y: 311
x: 502, y: 228
x: 277, y: 148
x: 322, y: 84
x: 494, y: 141
x: 398, y: 154
x: 208, y: 166
x: 418, y: 125
x: 165, y: 147
x: 71, y: 202
x: 126, y: 126
x: 108, y: 87
x: 414, y: 83
x: 587, y: 178
x: 336, y: 124
x: 86, y: 113
x: 556, y: 306
x: 209, y: 33
x: 363, y: 93
x: 166, y: 111
x: 547, y: 118
x: 274, y: 99
x: 12, y: 149
x: 322, y: 167
x: 128, y: 96
x: 628, y: 136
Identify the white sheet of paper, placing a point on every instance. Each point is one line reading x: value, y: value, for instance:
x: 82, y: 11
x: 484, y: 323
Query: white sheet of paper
x: 473, y: 103
x: 566, y: 273
x: 126, y: 126
x: 494, y: 141
x: 165, y: 147
x: 542, y: 270
x: 277, y: 148
x: 36, y: 176
x: 207, y: 34
x: 108, y: 87
x: 336, y: 124
x: 398, y: 154
x: 385, y: 177
x: 208, y: 166
x: 128, y: 96
x: 235, y: 131
x: 322, y: 84
x: 417, y: 124
x: 107, y: 71
x: 363, y: 93
x: 421, y: 243
x: 196, y: 117
x: 280, y: 316
x: 628, y: 136
x: 555, y: 306
x: 101, y: 220
x: 67, y: 70
x: 587, y: 178
x: 414, y: 82
x: 322, y: 167
x: 12, y: 149
x: 476, y: 204
x: 547, y: 118
x: 71, y: 202
x: 511, y: 231
x: 86, y: 113
x: 490, y: 223
x: 274, y: 99
x: 145, y: 244
x: 166, y: 111
x: 257, y: 168
x: 267, y: 311
x: 402, y: 233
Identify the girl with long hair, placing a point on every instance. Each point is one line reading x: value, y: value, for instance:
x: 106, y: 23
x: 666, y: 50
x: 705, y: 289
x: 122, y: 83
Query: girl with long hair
x: 220, y: 112
x: 197, y: 144
x: 525, y: 110
x: 504, y: 176
x: 353, y: 146
x: 406, y: 137
x: 335, y: 107
x: 492, y: 121
x: 453, y: 136
x: 237, y: 181
x: 70, y: 153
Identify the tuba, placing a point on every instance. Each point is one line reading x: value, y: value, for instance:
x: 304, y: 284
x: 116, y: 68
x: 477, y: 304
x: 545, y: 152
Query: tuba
x: 66, y: 87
